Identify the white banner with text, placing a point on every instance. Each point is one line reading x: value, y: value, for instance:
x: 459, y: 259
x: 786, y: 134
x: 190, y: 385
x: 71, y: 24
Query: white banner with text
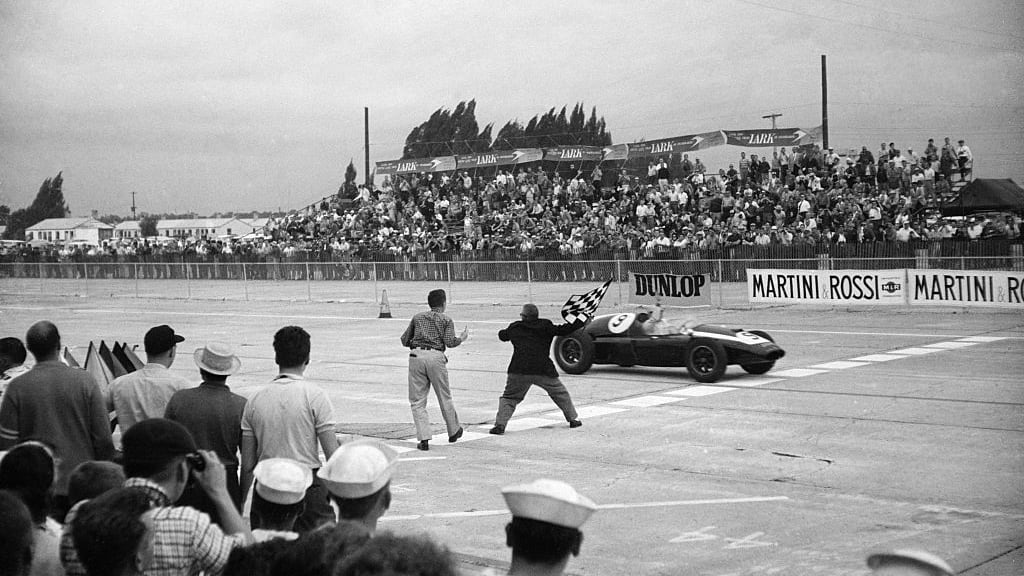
x: 669, y: 289
x: 965, y: 288
x: 875, y: 287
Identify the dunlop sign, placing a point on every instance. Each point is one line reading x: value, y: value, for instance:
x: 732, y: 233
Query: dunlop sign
x: 669, y: 289
x: 874, y: 287
x: 965, y: 288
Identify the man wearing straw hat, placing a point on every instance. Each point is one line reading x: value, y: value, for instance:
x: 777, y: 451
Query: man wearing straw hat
x: 212, y: 413
x: 545, y: 526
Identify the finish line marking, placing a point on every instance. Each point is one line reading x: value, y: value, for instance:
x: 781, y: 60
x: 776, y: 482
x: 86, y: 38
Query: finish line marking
x: 621, y: 506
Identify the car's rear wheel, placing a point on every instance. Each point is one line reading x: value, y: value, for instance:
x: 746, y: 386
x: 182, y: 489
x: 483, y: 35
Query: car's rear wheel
x: 706, y: 360
x: 759, y: 367
x: 574, y: 353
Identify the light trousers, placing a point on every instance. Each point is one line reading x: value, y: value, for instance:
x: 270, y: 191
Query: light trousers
x: 429, y: 369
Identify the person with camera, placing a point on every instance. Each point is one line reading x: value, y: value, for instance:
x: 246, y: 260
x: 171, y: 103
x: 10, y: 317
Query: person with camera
x: 161, y: 459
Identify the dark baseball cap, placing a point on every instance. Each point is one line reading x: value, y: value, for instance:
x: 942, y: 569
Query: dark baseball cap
x: 155, y: 442
x: 161, y: 339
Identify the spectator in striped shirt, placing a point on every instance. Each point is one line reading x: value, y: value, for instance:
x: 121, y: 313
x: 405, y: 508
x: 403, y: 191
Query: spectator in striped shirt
x: 160, y: 458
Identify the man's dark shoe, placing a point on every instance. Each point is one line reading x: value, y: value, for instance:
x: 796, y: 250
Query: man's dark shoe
x: 575, y: 423
x: 455, y: 436
x: 498, y: 429
x: 423, y: 445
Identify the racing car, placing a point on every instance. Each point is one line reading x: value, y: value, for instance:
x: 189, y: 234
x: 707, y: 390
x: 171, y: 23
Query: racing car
x: 629, y: 339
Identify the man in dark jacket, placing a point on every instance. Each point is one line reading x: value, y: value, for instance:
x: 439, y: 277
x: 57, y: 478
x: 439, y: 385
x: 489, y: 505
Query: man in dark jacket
x: 531, y: 364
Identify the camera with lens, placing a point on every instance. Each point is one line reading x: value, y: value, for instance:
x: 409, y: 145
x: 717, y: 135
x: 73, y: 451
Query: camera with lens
x: 196, y: 462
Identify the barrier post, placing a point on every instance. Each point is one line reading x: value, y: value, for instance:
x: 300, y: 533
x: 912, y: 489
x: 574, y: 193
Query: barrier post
x: 721, y: 285
x: 40, y: 277
x: 245, y: 282
x: 618, y: 278
x: 188, y: 280
x: 529, y: 283
x: 135, y: 270
x: 309, y: 285
x: 85, y: 285
x: 375, y: 282
x: 448, y: 267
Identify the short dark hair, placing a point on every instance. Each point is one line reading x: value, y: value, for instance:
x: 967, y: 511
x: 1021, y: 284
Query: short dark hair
x: 291, y: 346
x: 357, y: 508
x: 270, y: 515
x: 13, y: 350
x: 257, y: 559
x: 108, y: 530
x: 542, y: 542
x: 28, y: 471
x: 389, y: 553
x: 42, y: 338
x: 319, y: 551
x: 437, y: 298
x: 92, y: 478
x: 19, y: 535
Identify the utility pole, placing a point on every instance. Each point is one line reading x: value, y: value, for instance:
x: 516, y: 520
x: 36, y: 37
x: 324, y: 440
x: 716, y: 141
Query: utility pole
x: 366, y: 140
x: 824, y: 104
x: 773, y: 116
x: 133, y: 205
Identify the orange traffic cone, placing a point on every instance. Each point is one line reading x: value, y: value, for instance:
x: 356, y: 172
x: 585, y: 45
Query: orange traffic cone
x: 385, y: 307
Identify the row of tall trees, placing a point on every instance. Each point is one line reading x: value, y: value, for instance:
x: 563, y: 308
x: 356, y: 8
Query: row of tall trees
x: 449, y: 132
x: 49, y: 203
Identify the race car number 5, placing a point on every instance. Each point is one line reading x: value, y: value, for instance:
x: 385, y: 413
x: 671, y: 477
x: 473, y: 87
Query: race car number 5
x: 753, y: 338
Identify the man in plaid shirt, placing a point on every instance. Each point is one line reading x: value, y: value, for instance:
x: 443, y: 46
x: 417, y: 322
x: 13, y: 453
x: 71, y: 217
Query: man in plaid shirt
x: 428, y: 335
x: 160, y: 457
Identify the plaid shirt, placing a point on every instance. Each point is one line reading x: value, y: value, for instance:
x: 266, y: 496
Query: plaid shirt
x: 185, y: 542
x: 432, y: 329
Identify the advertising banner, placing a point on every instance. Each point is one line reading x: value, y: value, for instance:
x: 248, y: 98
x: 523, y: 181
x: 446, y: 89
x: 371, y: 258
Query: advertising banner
x: 416, y: 165
x: 387, y: 168
x: 965, y: 288
x: 872, y: 287
x: 669, y: 289
x: 765, y: 138
x: 498, y: 158
x: 676, y: 145
x: 574, y: 154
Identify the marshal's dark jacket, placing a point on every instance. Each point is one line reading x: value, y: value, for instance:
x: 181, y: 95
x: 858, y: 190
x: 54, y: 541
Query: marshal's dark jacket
x: 531, y: 340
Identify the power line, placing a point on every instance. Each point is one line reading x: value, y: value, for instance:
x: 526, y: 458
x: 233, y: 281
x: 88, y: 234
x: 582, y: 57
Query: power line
x: 876, y: 28
x: 918, y: 18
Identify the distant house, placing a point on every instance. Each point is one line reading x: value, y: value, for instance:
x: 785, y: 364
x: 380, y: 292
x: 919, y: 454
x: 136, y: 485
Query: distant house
x: 127, y: 230
x: 64, y: 230
x: 211, y: 228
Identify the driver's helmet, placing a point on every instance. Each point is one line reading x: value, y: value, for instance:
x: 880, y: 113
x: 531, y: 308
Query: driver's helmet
x: 643, y: 317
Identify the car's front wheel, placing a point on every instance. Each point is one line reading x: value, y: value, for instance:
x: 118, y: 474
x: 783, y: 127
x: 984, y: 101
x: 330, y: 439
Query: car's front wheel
x: 574, y: 353
x: 706, y: 360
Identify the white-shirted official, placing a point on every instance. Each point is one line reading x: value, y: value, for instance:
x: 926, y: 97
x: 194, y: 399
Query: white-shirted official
x: 280, y: 487
x: 358, y: 481
x: 545, y: 526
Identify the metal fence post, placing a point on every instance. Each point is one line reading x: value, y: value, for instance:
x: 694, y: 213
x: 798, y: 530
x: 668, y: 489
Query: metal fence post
x: 188, y: 280
x: 245, y: 282
x: 721, y: 285
x: 448, y: 266
x: 135, y: 270
x: 618, y: 278
x: 40, y: 277
x: 85, y: 270
x: 529, y: 283
x: 309, y: 285
x: 375, y: 301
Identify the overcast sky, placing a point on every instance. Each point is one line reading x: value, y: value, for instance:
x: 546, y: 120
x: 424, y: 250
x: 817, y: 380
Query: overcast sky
x: 217, y: 106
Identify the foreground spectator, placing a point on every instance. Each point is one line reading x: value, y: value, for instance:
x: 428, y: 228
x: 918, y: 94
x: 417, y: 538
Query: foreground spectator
x: 12, y: 361
x: 17, y: 541
x: 28, y: 471
x: 258, y: 559
x: 90, y: 479
x: 114, y: 534
x: 212, y: 413
x: 60, y: 406
x: 287, y: 419
x: 278, y: 492
x: 144, y: 393
x: 388, y: 554
x: 544, y: 531
x: 358, y: 479
x: 160, y: 458
x: 908, y: 563
x: 319, y: 552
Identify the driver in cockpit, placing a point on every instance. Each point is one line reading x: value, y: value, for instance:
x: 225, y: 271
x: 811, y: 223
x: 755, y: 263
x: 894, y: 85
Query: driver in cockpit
x: 651, y: 322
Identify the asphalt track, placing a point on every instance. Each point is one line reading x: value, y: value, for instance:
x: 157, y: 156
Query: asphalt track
x: 880, y: 429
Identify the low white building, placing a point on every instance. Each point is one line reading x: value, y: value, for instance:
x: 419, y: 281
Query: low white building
x: 212, y: 228
x: 128, y: 230
x: 64, y: 230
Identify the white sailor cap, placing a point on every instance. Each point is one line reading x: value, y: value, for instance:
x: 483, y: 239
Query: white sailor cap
x: 918, y: 558
x: 359, y: 468
x: 282, y: 480
x: 549, y: 501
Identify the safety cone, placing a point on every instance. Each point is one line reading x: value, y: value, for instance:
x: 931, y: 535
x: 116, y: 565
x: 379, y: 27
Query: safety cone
x: 385, y: 308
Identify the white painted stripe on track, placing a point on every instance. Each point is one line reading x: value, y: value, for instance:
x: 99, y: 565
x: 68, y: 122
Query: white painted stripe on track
x: 697, y: 391
x: 950, y: 345
x: 915, y: 351
x: 840, y: 365
x: 799, y: 372
x: 753, y: 381
x: 983, y: 339
x: 589, y: 412
x: 645, y: 401
x: 878, y: 358
x: 419, y: 458
x: 618, y: 506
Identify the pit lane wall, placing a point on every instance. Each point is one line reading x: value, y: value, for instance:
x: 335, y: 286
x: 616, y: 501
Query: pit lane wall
x: 899, y: 287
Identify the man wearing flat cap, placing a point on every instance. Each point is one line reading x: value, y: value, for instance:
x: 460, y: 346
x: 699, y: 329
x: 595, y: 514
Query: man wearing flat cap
x: 160, y: 458
x: 358, y: 481
x: 908, y: 563
x: 145, y: 393
x: 531, y: 339
x: 212, y: 413
x: 545, y: 526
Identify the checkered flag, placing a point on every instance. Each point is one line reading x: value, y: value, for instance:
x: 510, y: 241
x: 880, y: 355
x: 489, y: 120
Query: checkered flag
x: 581, y: 307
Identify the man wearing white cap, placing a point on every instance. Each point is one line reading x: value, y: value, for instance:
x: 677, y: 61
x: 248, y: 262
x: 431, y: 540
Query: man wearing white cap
x: 212, y: 413
x: 908, y: 563
x: 281, y: 485
x: 545, y: 526
x: 358, y: 481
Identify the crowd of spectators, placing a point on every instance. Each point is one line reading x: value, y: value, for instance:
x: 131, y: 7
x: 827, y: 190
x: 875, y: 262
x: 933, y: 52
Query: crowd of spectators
x: 802, y: 196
